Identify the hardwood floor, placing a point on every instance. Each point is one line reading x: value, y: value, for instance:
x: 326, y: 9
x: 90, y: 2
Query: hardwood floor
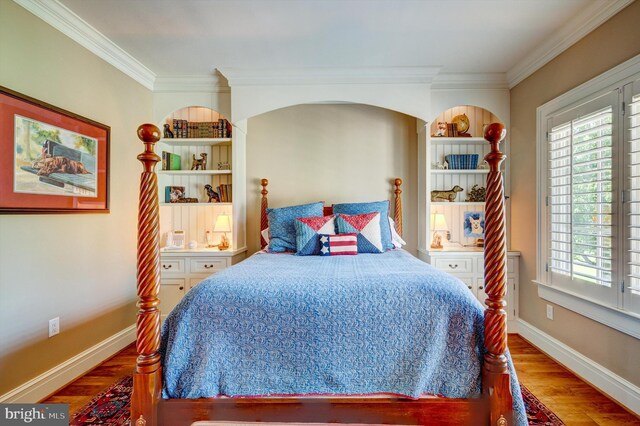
x: 570, y: 398
x: 574, y: 401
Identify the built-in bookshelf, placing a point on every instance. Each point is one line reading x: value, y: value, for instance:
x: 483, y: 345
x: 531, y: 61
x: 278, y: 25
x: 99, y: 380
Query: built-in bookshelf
x: 445, y: 179
x: 208, y: 188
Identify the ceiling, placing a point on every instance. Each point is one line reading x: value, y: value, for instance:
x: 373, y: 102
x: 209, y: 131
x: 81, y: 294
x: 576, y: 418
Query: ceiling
x: 195, y: 37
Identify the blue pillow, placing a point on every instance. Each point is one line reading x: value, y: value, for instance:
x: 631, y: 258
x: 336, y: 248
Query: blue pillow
x: 376, y: 206
x: 281, y: 225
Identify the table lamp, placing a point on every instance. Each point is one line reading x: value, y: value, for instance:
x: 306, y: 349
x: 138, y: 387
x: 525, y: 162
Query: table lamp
x: 438, y: 224
x: 223, y: 224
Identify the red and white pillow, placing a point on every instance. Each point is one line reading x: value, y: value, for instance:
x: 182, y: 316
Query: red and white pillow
x: 338, y: 244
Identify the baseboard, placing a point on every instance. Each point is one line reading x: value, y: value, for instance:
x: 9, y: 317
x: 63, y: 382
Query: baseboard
x: 616, y: 387
x: 48, y: 382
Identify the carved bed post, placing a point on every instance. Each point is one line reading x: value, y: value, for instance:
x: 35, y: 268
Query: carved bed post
x: 397, y: 214
x: 147, y: 378
x: 263, y: 211
x: 495, y: 372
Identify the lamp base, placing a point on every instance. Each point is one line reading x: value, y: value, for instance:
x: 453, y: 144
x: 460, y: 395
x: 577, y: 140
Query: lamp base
x: 437, y: 241
x: 224, y: 243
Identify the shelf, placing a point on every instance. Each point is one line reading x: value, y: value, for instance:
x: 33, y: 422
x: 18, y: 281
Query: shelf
x: 460, y: 171
x: 195, y: 204
x: 196, y: 141
x: 457, y: 203
x: 194, y: 172
x: 435, y: 140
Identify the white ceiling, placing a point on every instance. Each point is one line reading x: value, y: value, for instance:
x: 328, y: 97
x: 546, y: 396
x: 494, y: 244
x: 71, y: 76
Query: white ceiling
x: 194, y: 37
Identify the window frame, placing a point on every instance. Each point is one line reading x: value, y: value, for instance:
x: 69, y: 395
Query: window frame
x: 610, y: 311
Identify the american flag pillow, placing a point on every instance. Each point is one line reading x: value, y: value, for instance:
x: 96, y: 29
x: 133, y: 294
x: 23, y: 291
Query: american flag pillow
x: 338, y: 245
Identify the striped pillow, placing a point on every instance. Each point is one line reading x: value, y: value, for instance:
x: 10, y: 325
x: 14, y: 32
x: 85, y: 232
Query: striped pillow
x: 338, y: 245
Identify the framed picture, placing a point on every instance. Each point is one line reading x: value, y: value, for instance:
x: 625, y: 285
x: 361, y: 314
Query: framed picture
x: 474, y: 224
x: 53, y: 161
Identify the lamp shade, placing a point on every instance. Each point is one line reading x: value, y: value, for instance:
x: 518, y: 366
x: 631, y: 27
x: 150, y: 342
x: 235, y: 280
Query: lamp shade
x: 438, y: 222
x: 223, y: 223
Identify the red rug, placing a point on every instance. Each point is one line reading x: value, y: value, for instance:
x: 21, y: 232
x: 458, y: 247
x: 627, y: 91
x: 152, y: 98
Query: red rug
x: 111, y: 407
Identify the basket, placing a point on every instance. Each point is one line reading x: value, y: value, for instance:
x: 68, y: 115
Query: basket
x: 462, y: 161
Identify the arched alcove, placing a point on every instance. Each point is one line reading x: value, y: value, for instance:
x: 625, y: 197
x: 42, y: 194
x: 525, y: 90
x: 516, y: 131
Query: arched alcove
x: 331, y: 152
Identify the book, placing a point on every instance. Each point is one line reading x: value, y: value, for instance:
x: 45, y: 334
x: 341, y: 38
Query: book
x: 173, y: 193
x: 165, y: 160
x: 174, y: 161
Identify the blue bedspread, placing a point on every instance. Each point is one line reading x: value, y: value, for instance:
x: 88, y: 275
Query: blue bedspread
x: 281, y: 324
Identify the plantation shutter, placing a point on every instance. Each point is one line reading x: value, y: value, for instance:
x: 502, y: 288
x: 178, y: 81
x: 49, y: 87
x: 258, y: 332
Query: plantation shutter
x: 631, y: 295
x: 581, y: 209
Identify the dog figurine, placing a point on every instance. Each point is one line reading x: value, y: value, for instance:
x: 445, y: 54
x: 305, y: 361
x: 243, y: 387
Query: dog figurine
x: 167, y: 131
x: 213, y: 195
x: 450, y: 195
x: 199, y: 163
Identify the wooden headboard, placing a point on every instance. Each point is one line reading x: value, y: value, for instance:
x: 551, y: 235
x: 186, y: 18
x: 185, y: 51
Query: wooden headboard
x: 264, y: 223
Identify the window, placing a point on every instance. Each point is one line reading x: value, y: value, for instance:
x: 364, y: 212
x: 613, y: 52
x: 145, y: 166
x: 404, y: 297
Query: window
x: 589, y: 188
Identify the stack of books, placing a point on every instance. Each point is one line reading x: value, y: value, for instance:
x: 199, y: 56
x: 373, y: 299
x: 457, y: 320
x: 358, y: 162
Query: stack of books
x: 201, y: 129
x: 170, y: 161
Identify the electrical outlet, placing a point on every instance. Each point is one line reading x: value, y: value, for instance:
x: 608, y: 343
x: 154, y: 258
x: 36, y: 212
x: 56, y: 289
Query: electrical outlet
x: 54, y: 326
x: 550, y: 312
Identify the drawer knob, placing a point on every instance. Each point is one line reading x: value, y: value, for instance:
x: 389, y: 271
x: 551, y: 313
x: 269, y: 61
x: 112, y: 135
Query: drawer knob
x: 208, y: 266
x: 167, y: 266
x: 453, y: 266
x: 469, y: 287
x: 481, y: 287
x: 181, y: 288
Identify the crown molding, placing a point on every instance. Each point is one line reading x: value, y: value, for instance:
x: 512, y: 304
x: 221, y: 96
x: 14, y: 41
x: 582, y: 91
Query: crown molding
x: 191, y: 83
x: 581, y: 25
x: 320, y: 76
x: 446, y: 81
x: 64, y: 20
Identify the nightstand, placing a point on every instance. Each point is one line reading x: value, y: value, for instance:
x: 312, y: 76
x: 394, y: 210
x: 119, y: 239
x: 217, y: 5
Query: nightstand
x: 181, y: 270
x: 468, y: 266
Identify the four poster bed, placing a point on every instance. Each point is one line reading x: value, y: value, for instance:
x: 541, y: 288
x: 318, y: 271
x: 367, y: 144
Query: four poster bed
x: 208, y: 349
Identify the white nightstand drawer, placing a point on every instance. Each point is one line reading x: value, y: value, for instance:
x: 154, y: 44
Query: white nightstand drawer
x: 454, y: 265
x: 511, y: 265
x: 208, y: 265
x: 172, y: 266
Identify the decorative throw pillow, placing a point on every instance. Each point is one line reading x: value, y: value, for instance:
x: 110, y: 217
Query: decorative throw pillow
x: 338, y: 245
x: 281, y: 225
x: 308, y: 230
x: 367, y: 228
x: 377, y: 206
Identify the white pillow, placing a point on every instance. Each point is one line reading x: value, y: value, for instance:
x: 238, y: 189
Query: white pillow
x: 265, y: 235
x: 396, y: 239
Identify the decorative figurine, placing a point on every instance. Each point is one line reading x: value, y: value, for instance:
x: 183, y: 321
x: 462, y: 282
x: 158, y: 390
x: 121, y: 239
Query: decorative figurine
x: 224, y: 165
x: 199, y: 163
x: 476, y: 194
x: 441, y: 130
x: 483, y: 166
x: 167, y: 131
x: 214, y: 197
x: 442, y: 195
x: 439, y: 166
x: 445, y: 165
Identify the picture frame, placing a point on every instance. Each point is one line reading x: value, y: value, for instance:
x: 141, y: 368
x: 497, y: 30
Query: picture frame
x: 473, y: 224
x: 54, y: 161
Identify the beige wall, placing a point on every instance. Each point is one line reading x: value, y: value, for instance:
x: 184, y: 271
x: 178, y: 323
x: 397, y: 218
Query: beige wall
x: 334, y: 153
x: 614, y: 42
x: 78, y: 267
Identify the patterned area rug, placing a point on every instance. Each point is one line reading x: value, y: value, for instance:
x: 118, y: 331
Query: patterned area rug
x: 111, y: 407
